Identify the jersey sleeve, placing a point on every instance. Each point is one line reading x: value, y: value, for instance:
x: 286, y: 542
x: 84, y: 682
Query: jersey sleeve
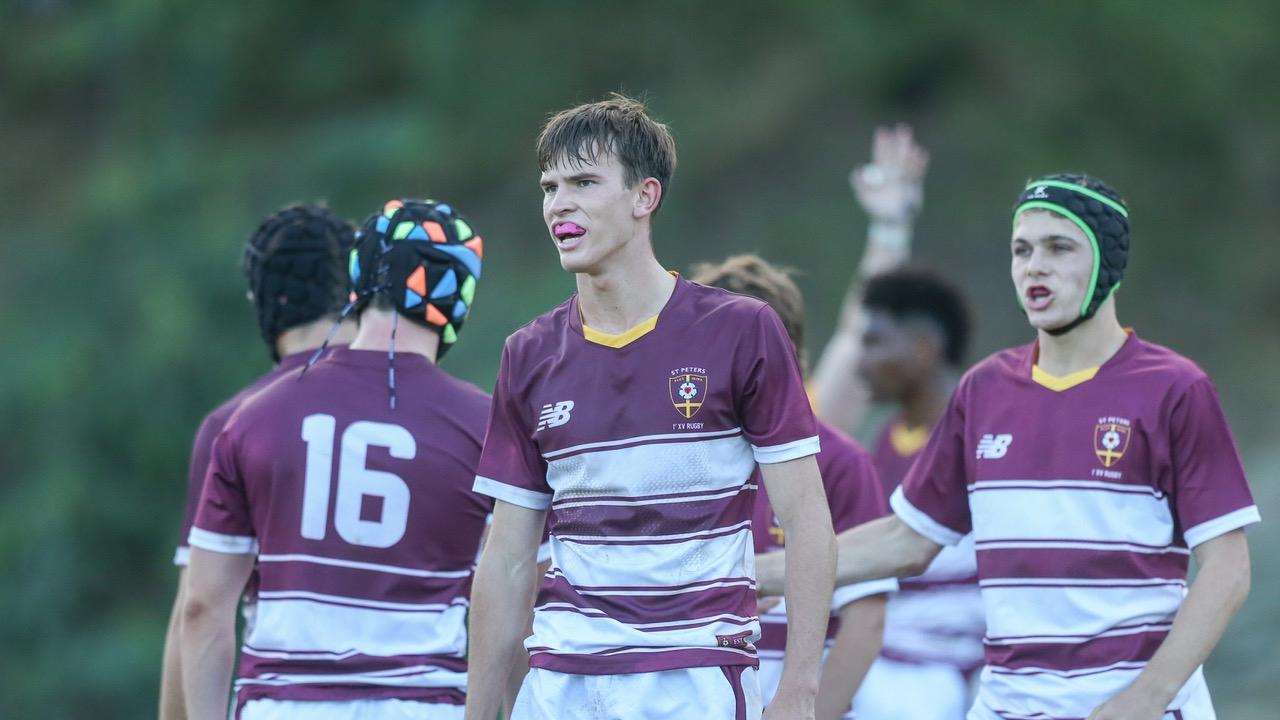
x: 933, y: 498
x: 223, y: 522
x: 776, y: 416
x: 855, y: 497
x: 201, y: 451
x: 1210, y: 493
x: 511, y: 469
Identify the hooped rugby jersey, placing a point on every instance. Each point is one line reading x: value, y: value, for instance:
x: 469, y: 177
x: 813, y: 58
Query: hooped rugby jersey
x: 643, y: 446
x: 1085, y: 494
x: 202, y: 446
x: 855, y: 497
x: 364, y: 525
x: 937, y: 616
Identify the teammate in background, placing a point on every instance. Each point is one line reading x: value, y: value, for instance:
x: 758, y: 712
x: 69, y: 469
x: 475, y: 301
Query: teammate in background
x: 295, y: 265
x: 901, y: 341
x: 853, y: 494
x: 1089, y: 464
x: 349, y: 483
x: 636, y: 413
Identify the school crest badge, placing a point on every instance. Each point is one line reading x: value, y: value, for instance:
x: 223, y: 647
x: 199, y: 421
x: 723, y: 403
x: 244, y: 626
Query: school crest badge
x: 688, y: 391
x: 1110, y: 440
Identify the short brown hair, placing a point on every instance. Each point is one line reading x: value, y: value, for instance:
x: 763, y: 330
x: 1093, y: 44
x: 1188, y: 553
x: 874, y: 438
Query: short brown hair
x: 620, y: 125
x: 753, y: 275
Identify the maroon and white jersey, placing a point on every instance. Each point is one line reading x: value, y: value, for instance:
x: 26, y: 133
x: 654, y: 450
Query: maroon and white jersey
x: 643, y: 447
x: 364, y: 526
x: 1084, y: 494
x: 937, y: 616
x: 855, y: 497
x: 202, y: 447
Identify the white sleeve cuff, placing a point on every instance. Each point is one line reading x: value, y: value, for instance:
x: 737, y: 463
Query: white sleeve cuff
x: 787, y: 451
x: 544, y: 552
x: 227, y: 544
x: 499, y: 490
x: 182, y: 556
x: 1221, y: 525
x: 849, y: 593
x: 917, y: 520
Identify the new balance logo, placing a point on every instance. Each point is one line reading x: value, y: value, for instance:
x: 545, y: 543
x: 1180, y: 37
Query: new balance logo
x: 993, y: 447
x: 554, y: 415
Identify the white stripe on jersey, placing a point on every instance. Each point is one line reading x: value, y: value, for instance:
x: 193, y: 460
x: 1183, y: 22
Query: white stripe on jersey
x: 219, y: 543
x: 1056, y: 695
x: 769, y: 454
x: 1221, y: 525
x: 375, y: 567
x: 358, y: 602
x: 637, y: 539
x: 412, y: 676
x: 920, y: 522
x: 1054, y: 511
x: 711, y: 561
x: 309, y: 625
x: 645, y: 470
x: 1079, y: 545
x: 645, y: 439
x: 1076, y: 611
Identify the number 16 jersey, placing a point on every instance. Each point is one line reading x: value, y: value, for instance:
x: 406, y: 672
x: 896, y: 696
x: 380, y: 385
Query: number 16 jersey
x: 364, y: 524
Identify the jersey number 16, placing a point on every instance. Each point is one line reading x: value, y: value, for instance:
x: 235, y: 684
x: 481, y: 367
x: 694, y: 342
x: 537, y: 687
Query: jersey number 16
x: 355, y: 481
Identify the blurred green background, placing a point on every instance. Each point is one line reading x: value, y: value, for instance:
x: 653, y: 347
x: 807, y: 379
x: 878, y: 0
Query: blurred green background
x: 142, y: 142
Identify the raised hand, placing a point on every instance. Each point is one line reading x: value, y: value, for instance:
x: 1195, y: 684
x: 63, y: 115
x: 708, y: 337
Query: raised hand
x: 891, y: 187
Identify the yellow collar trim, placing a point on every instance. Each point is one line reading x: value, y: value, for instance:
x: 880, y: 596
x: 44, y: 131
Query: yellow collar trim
x: 906, y: 440
x: 1066, y: 382
x: 622, y: 339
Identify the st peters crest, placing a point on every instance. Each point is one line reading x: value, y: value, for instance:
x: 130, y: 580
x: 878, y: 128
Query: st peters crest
x: 687, y: 391
x: 1110, y: 440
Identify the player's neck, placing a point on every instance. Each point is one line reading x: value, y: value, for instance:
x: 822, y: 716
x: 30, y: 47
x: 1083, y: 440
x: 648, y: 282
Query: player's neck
x: 616, y: 299
x: 376, y: 326
x: 307, y: 337
x: 924, y: 406
x: 1088, y: 345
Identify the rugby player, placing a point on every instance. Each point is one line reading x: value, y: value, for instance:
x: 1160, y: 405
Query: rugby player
x: 349, y: 482
x: 295, y: 264
x: 1090, y: 465
x: 636, y: 413
x: 853, y: 493
x: 901, y: 341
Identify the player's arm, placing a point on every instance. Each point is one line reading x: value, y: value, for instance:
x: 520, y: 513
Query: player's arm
x: 172, y: 703
x: 890, y: 191
x: 886, y: 547
x: 501, y: 599
x: 796, y: 493
x: 1220, y: 588
x: 856, y: 646
x: 215, y: 582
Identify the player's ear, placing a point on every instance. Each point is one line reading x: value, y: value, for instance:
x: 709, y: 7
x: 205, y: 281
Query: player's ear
x: 648, y: 194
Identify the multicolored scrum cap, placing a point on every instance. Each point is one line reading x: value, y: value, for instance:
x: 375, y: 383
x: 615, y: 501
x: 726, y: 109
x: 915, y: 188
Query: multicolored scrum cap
x: 1104, y: 220
x: 425, y: 258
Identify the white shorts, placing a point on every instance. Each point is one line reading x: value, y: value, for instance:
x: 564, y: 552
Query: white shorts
x: 892, y: 691
x: 349, y: 710
x: 704, y: 693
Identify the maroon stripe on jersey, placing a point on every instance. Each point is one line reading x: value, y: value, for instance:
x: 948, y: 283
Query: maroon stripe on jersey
x: 621, y: 660
x: 916, y: 585
x: 665, y: 603
x: 339, y: 693
x: 1095, y: 653
x: 667, y: 518
x: 358, y: 584
x: 255, y: 666
x: 1095, y: 564
x: 773, y: 635
x: 641, y: 499
x: 734, y: 676
x: 551, y: 453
